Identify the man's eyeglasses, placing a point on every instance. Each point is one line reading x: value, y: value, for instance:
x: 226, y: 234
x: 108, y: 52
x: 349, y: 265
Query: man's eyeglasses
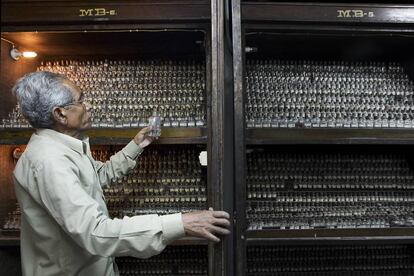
x: 81, y: 101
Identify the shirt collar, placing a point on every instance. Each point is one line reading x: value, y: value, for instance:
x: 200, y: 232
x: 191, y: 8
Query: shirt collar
x: 81, y: 146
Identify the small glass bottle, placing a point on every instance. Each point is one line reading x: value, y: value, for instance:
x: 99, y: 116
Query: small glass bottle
x: 155, y: 122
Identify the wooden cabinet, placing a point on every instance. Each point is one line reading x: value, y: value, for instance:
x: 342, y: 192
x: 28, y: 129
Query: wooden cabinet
x: 182, y: 41
x: 285, y: 152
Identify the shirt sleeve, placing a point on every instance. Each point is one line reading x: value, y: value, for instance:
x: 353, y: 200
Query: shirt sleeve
x: 80, y: 216
x: 119, y: 164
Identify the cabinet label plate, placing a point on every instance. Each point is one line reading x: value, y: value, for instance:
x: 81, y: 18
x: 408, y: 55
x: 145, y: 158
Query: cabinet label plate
x: 93, y: 12
x: 355, y: 14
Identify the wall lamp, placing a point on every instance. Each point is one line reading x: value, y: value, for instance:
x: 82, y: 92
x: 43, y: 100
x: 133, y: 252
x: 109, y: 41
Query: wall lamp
x: 16, y: 54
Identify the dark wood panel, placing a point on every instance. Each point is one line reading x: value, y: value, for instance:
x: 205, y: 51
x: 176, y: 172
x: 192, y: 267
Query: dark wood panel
x: 102, y: 12
x: 239, y: 140
x: 331, y: 45
x: 7, y: 195
x: 330, y: 241
x: 266, y: 136
x: 392, y: 2
x: 116, y: 44
x: 111, y: 1
x: 220, y: 169
x: 9, y: 240
x: 7, y: 164
x: 316, y: 235
x: 325, y: 12
x: 10, y: 261
x: 15, y: 241
x: 114, y: 136
x: 71, y: 27
x: 190, y: 241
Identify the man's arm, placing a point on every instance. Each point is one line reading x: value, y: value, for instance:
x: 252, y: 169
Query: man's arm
x: 124, y: 161
x: 80, y: 216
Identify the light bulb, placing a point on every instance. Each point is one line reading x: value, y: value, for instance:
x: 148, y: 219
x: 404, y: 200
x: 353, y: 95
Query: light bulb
x: 29, y: 54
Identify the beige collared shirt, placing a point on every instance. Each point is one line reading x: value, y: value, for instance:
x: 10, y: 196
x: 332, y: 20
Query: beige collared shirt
x: 65, y: 226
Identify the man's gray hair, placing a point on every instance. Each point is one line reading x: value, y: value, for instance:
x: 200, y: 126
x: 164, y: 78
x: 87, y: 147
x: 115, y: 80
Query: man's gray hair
x: 38, y: 93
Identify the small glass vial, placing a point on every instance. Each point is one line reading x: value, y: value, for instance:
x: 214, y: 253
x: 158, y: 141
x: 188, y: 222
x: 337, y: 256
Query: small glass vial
x: 155, y: 122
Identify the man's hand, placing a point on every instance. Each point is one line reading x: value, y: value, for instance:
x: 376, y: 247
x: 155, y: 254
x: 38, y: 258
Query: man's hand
x: 142, y: 139
x: 206, y: 224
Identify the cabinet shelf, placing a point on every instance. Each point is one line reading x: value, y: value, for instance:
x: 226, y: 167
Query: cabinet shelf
x: 268, y: 136
x: 14, y: 240
x: 114, y: 136
x: 9, y: 240
x: 366, y: 235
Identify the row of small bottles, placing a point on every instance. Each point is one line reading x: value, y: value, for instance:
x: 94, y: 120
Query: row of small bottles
x: 165, y: 180
x: 11, y: 222
x: 272, y: 171
x: 330, y: 260
x: 328, y: 94
x: 173, y: 261
x: 309, y: 190
x: 279, y: 93
x: 124, y: 93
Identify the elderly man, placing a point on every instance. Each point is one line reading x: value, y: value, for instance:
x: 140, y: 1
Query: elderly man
x: 65, y: 226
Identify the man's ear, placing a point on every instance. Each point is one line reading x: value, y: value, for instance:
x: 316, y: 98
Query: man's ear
x: 59, y: 115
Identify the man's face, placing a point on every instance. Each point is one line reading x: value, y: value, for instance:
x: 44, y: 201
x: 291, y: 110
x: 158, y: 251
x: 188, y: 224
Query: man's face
x: 78, y: 112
